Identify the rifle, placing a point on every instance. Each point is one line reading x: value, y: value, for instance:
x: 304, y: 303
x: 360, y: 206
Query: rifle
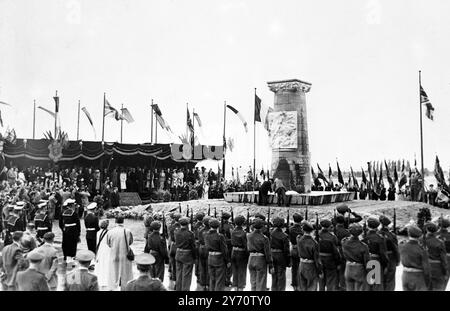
x: 192, y: 219
x: 306, y: 213
x: 395, y: 222
x: 209, y: 209
x: 179, y: 207
x: 187, y: 210
x: 287, y: 223
x: 268, y: 221
x: 248, y: 221
x: 317, y: 228
x: 215, y: 212
x: 334, y: 221
x: 221, y: 222
x: 165, y: 233
x: 232, y: 215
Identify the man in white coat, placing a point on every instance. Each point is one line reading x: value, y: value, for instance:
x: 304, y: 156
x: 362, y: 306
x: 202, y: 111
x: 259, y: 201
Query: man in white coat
x: 119, y: 239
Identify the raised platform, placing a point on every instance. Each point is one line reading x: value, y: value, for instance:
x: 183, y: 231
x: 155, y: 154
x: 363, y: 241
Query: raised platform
x: 312, y: 198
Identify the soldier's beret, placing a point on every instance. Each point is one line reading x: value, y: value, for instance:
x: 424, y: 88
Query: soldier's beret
x: 199, y: 216
x: 35, y: 255
x: 260, y: 216
x: 414, y: 231
x: 278, y: 222
x: 373, y: 222
x: 325, y: 223
x: 431, y: 227
x: 144, y: 259
x: 340, y: 219
x: 214, y: 223
x: 93, y: 205
x: 184, y: 221
x: 342, y: 208
x: 307, y: 226
x: 226, y: 215
x: 384, y: 220
x: 445, y: 222
x: 176, y: 216
x: 49, y: 236
x: 84, y: 255
x: 239, y: 220
x: 258, y: 223
x: 155, y: 225
x: 297, y: 217
x: 206, y: 220
x: 355, y: 229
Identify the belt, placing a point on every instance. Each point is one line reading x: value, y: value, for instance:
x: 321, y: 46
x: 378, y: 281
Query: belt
x: 42, y: 228
x: 434, y: 261
x: 374, y: 255
x: 90, y: 229
x: 69, y: 225
x: 274, y: 250
x: 304, y: 260
x: 325, y: 254
x: 256, y: 254
x: 408, y: 269
x: 215, y: 253
x: 235, y: 248
x: 352, y: 263
x: 183, y: 250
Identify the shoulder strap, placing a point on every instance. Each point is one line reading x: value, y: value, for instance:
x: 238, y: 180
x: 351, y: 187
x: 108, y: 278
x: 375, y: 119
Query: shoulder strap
x: 102, y: 235
x: 126, y: 240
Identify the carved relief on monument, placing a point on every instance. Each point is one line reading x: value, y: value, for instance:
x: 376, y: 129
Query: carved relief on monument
x: 283, y: 129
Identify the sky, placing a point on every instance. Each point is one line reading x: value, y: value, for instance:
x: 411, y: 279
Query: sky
x: 362, y: 58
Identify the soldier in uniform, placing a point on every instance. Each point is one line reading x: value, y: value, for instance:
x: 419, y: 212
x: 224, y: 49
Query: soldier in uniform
x: 92, y: 227
x: 239, y: 254
x: 12, y: 257
x: 377, y: 249
x: 144, y: 282
x: 356, y: 254
x: 341, y: 232
x: 225, y: 228
x: 70, y: 226
x: 196, y: 226
x: 414, y: 258
x: 203, y: 255
x: 157, y: 247
x: 32, y: 279
x: 218, y: 259
x: 264, y: 229
x: 347, y: 213
x: 444, y: 235
x: 329, y: 256
x: 185, y: 255
x: 42, y: 222
x: 147, y: 221
x: 260, y: 257
x: 172, y: 248
x: 294, y: 231
x: 392, y: 252
x: 80, y: 279
x: 310, y: 269
x: 437, y: 258
x: 14, y: 223
x: 279, y: 246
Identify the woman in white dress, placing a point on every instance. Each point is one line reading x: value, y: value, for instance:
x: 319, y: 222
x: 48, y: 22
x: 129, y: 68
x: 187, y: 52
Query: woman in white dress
x: 123, y: 181
x: 102, y: 257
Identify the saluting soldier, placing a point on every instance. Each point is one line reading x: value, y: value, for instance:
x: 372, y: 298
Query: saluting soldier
x: 239, y: 254
x: 377, y: 249
x: 145, y: 282
x: 392, y: 253
x: 157, y: 247
x: 70, y: 225
x: 294, y: 231
x: 225, y: 228
x: 218, y: 259
x: 185, y: 255
x: 437, y: 258
x: 341, y: 232
x: 329, y: 256
x: 92, y: 227
x: 175, y: 225
x: 347, y: 213
x: 310, y: 269
x: 279, y: 246
x: 414, y: 258
x: 42, y: 222
x: 80, y: 279
x: 356, y: 254
x: 444, y: 235
x: 260, y: 257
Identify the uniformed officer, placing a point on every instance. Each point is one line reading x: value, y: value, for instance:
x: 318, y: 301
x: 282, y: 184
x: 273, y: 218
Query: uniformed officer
x: 225, y: 228
x: 80, y: 279
x: 70, y: 225
x: 174, y: 226
x: 279, y: 246
x: 203, y: 255
x: 437, y: 258
x: 377, y: 249
x: 346, y: 212
x: 157, y: 247
x: 144, y: 282
x: 310, y: 269
x: 414, y: 258
x: 341, y: 232
x: 196, y: 226
x: 260, y: 257
x: 356, y: 254
x: 218, y: 259
x: 444, y: 235
x: 239, y: 253
x: 32, y: 279
x: 13, y: 223
x: 92, y: 227
x: 329, y: 256
x: 185, y: 255
x: 392, y: 253
x: 294, y: 231
x: 42, y: 222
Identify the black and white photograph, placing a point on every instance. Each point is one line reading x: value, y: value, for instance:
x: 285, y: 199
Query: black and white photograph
x: 224, y: 146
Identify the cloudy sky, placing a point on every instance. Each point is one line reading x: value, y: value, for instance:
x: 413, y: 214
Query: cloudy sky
x: 362, y: 58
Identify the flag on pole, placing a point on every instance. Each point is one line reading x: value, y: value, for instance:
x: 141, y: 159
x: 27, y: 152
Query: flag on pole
x: 1, y: 120
x: 403, y: 179
x: 4, y: 103
x: 111, y: 111
x: 439, y: 174
x: 363, y: 177
x: 426, y: 101
x: 88, y: 116
x: 56, y: 98
x: 157, y: 110
x: 340, y: 178
x: 314, y: 177
x: 321, y: 175
x: 389, y: 178
x: 196, y: 117
x: 369, y: 169
x: 126, y: 115
x: 257, y: 109
x: 395, y: 173
x: 239, y: 116
x: 189, y: 121
x: 355, y: 181
x: 48, y: 111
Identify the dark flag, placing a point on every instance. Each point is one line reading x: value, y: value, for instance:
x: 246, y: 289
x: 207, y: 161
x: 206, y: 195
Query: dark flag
x: 355, y: 181
x: 189, y: 121
x: 380, y: 180
x: 395, y: 172
x: 314, y: 176
x: 321, y: 175
x: 375, y: 180
x: 257, y: 109
x: 56, y: 98
x: 363, y: 175
x: 403, y: 179
x: 390, y: 181
x: 439, y: 174
x: 426, y: 101
x: 369, y: 169
x: 340, y: 178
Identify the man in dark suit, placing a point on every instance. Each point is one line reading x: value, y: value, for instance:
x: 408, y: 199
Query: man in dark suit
x: 32, y: 279
x: 264, y: 192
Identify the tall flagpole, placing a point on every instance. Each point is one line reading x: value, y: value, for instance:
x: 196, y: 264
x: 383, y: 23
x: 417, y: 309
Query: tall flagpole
x: 421, y: 131
x: 254, y: 142
x: 151, y: 123
x: 78, y: 123
x: 224, y: 139
x: 34, y: 118
x: 187, y: 127
x: 193, y: 124
x: 103, y: 126
x: 156, y: 129
x: 121, y: 125
x: 56, y: 112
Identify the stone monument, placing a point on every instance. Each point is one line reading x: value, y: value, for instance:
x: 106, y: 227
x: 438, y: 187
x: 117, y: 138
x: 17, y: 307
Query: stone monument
x: 288, y: 133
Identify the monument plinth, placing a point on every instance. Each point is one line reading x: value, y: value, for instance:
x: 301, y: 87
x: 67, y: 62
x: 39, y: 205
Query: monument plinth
x: 288, y: 132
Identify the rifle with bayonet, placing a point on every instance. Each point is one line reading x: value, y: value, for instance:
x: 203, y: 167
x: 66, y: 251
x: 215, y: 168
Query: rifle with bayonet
x: 395, y: 222
x: 215, y: 212
x: 192, y: 219
x: 268, y: 223
x: 209, y: 209
x: 287, y: 223
x: 187, y: 211
x: 306, y: 213
x: 232, y: 215
x: 248, y: 221
x: 179, y: 207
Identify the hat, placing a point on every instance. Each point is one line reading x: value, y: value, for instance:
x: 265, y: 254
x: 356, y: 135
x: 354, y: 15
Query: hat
x: 384, y: 220
x: 199, y: 216
x: 84, y: 255
x: 26, y: 241
x: 445, y: 223
x: 214, y: 223
x: 414, y: 231
x: 41, y: 205
x: 239, y: 220
x: 93, y: 205
x: 144, y: 259
x: 68, y: 201
x: 155, y: 225
x: 260, y: 216
x: 297, y: 217
x: 373, y: 222
x: 18, y: 207
x: 325, y: 223
x: 35, y: 256
x: 176, y: 216
x: 20, y: 203
x: 226, y: 215
x: 258, y: 223
x: 355, y: 229
x: 17, y: 235
x: 278, y: 222
x: 206, y: 220
x: 307, y: 226
x: 431, y: 227
x: 184, y: 221
x: 49, y: 236
x: 342, y: 208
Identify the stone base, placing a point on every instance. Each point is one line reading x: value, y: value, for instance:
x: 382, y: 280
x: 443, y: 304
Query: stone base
x: 312, y: 198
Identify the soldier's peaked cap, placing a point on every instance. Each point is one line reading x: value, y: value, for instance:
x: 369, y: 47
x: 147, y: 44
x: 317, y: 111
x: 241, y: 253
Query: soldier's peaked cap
x: 206, y: 220
x: 84, y: 255
x: 297, y: 217
x: 226, y: 215
x: 373, y: 222
x: 431, y: 227
x: 326, y: 223
x: 355, y: 229
x: 93, y: 205
x: 199, y: 215
x: 35, y: 255
x: 342, y: 208
x: 414, y: 231
x: 260, y: 216
x: 144, y: 259
x: 278, y: 222
x: 307, y: 226
x: 184, y: 221
x: 214, y: 223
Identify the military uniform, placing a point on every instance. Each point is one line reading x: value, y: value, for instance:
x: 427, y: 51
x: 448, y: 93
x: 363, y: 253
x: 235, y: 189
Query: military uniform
x: 92, y: 227
x: 80, y: 279
x: 437, y: 259
x: 31, y: 279
x: 444, y: 236
x: 157, y: 247
x: 279, y: 246
x: 310, y: 267
x: 392, y: 254
x: 294, y: 231
x: 185, y: 256
x: 43, y: 224
x: 70, y: 224
x: 378, y: 252
x: 144, y: 282
x: 172, y: 250
x: 13, y: 223
x: 330, y: 258
x: 239, y: 256
x: 341, y: 232
x: 196, y: 227
x: 226, y: 229
x: 218, y: 258
x: 203, y: 255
